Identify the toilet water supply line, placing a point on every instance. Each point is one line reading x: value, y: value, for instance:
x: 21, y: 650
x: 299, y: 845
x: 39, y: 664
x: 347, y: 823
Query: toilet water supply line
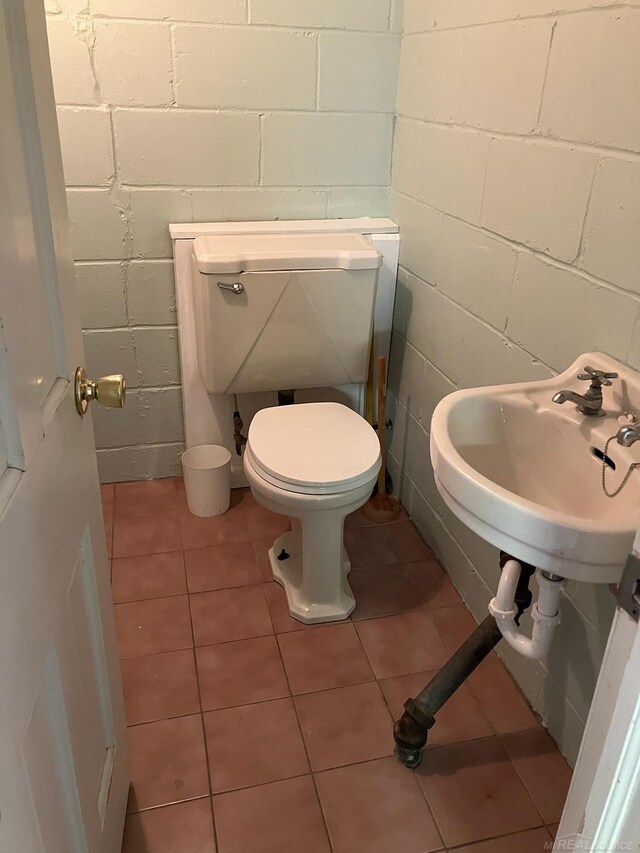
x: 545, y: 612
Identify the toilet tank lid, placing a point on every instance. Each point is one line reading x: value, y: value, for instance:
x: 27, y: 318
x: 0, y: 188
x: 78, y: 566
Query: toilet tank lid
x: 228, y: 253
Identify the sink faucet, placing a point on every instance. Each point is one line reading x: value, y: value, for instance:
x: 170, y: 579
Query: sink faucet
x: 589, y: 404
x: 629, y: 433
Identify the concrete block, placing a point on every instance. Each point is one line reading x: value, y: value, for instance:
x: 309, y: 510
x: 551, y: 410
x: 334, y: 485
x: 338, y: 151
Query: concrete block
x: 206, y: 205
x: 256, y: 69
x: 633, y: 358
x: 397, y: 16
x: 111, y: 351
x: 218, y: 12
x: 467, y: 351
x: 418, y: 385
x: 430, y: 84
x: 187, y: 147
x: 124, y: 464
x: 537, y: 194
x: 420, y: 228
x: 316, y: 149
x: 423, y: 15
x: 352, y: 202
x: 151, y: 293
x: 157, y: 356
x: 70, y: 8
x: 579, y: 316
x: 261, y: 203
x: 133, y: 62
x: 592, y: 93
x: 443, y: 167
x: 358, y: 72
x: 152, y: 211
x: 101, y: 291
x: 87, y: 149
x: 161, y: 415
x: 503, y: 71
x: 475, y: 271
x: 73, y: 79
x: 98, y: 221
x: 117, y: 427
x: 611, y: 242
x: 335, y: 14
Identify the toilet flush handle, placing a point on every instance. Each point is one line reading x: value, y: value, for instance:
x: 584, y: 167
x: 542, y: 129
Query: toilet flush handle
x: 237, y: 287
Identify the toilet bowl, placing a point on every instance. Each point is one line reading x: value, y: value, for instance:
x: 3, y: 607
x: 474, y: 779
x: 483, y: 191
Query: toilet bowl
x: 315, y: 463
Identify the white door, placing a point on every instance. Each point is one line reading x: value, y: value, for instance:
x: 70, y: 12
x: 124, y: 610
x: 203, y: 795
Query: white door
x: 63, y: 760
x: 602, y: 811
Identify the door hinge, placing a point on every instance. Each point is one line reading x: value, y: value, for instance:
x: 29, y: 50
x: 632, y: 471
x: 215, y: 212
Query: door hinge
x: 629, y: 588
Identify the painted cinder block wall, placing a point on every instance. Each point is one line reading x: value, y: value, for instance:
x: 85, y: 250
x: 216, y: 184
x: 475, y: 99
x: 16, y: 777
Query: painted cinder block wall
x: 516, y: 185
x: 196, y: 110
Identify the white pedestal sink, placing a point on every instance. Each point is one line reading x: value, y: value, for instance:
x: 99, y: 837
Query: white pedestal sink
x: 523, y: 472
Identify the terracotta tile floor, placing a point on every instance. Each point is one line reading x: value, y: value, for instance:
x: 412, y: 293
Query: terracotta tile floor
x: 252, y: 733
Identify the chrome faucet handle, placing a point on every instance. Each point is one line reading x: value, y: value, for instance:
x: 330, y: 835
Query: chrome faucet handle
x: 598, y: 377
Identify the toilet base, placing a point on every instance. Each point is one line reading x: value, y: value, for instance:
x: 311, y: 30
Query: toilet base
x: 288, y: 573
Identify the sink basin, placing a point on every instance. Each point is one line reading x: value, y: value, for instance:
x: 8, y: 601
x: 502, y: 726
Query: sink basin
x: 524, y: 474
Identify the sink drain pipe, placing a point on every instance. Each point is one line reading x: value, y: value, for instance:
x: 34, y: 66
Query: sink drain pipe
x: 545, y: 613
x: 411, y: 730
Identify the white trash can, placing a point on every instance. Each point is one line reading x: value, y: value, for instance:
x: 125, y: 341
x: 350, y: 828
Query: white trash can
x: 207, y: 479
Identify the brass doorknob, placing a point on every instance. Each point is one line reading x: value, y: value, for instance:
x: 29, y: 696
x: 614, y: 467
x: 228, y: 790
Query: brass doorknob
x: 108, y: 391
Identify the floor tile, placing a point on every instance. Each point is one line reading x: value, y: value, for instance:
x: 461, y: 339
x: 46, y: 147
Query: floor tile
x: 406, y: 543
x: 376, y: 807
x: 502, y: 703
x: 283, y: 622
x: 241, y: 672
x: 264, y: 524
x: 455, y: 624
x: 135, y: 536
x: 460, y: 718
x: 543, y: 770
x: 282, y: 817
x: 160, y: 686
x: 156, y: 625
x: 474, y: 792
x: 183, y: 828
x: 149, y: 576
x: 356, y: 519
x: 400, y: 645
x: 433, y: 587
x: 108, y: 535
x: 328, y: 656
x: 221, y: 530
x: 221, y: 567
x: 146, y: 498
x: 368, y: 546
x: 531, y: 841
x: 345, y: 725
x: 382, y: 591
x: 254, y: 744
x: 106, y: 497
x: 261, y: 550
x: 168, y: 762
x: 230, y: 614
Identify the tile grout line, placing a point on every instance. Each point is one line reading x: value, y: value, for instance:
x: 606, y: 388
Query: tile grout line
x: 204, y: 730
x: 304, y: 743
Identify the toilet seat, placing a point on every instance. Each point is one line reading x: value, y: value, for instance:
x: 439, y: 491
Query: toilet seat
x: 313, y: 448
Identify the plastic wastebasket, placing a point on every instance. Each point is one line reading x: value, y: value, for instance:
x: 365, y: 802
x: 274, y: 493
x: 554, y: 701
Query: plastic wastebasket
x: 207, y: 479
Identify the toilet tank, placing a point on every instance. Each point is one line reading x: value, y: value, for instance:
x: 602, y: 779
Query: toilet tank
x: 283, y: 311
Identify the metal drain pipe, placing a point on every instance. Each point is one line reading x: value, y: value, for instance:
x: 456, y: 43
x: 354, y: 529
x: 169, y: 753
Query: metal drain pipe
x: 411, y: 730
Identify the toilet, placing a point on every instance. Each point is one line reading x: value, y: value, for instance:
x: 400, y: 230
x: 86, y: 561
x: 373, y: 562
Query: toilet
x: 316, y: 463
x: 287, y: 312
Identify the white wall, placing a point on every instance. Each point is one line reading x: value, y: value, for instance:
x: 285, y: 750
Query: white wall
x: 516, y: 185
x: 196, y: 110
